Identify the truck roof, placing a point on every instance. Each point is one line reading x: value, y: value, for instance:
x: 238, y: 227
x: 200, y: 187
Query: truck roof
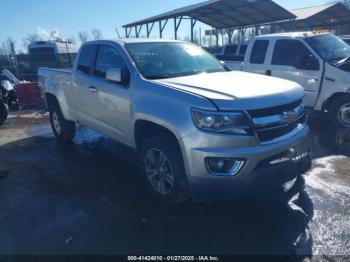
x: 304, y: 34
x: 123, y: 41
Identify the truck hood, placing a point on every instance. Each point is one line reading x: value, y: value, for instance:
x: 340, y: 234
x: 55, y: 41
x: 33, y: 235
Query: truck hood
x: 238, y: 90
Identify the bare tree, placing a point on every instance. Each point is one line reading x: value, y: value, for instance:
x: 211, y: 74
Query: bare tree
x: 30, y: 38
x: 346, y: 2
x: 96, y: 34
x: 83, y: 36
x: 8, y: 46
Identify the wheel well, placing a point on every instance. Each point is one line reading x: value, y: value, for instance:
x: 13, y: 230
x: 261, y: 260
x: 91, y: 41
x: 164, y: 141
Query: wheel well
x: 50, y: 100
x: 333, y: 98
x: 145, y: 129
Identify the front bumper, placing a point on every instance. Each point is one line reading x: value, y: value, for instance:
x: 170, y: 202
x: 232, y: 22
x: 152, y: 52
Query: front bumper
x: 263, y: 169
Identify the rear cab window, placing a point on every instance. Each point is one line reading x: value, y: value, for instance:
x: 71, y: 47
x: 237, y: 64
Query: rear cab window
x: 259, y: 51
x: 86, y: 59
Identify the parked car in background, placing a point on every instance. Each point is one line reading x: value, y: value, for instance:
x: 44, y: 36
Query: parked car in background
x: 233, y: 53
x: 318, y: 61
x: 217, y: 50
x: 199, y: 130
x: 347, y: 40
x: 53, y: 54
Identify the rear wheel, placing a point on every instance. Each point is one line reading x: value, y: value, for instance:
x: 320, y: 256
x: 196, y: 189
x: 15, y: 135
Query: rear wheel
x: 339, y: 112
x: 163, y: 170
x: 4, y: 111
x: 64, y: 130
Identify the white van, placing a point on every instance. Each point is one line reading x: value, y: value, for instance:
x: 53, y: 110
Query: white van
x: 54, y: 54
x: 318, y: 61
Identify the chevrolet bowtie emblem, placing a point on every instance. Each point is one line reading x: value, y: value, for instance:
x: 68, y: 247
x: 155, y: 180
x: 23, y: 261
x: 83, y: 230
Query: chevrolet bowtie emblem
x: 287, y: 117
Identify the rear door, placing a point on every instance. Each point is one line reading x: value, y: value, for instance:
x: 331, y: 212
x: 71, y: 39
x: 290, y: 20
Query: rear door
x: 287, y: 63
x: 256, y: 60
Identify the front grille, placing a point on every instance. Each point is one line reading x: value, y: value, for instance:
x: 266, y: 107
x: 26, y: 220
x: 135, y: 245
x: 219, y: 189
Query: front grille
x: 276, y: 122
x: 278, y: 131
x: 275, y: 110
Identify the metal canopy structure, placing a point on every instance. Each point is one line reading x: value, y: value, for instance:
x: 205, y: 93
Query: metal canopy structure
x: 319, y: 16
x: 220, y: 14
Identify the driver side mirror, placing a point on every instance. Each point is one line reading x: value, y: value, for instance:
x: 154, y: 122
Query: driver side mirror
x: 115, y: 75
x: 308, y: 62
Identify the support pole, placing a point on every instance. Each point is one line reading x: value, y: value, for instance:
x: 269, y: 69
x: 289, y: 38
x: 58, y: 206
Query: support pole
x: 149, y: 29
x: 193, y: 23
x: 229, y: 33
x: 175, y: 31
x: 138, y: 31
x: 176, y: 26
x: 257, y: 29
x: 126, y: 32
x: 217, y: 37
x: 161, y: 28
x: 242, y: 31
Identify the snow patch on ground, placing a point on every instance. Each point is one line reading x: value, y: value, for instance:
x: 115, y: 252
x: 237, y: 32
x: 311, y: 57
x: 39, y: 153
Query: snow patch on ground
x: 32, y: 115
x: 323, y: 168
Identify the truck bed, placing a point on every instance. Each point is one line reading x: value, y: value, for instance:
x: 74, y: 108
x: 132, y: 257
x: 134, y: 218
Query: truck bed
x: 55, y: 70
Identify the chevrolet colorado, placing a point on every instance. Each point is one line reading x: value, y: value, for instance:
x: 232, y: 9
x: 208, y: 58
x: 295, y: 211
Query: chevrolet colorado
x: 199, y: 130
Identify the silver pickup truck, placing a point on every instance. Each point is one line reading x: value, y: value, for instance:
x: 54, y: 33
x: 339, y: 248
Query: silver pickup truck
x: 199, y: 130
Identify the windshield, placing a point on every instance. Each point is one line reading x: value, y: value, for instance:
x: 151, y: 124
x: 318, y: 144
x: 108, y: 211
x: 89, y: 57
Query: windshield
x: 172, y: 59
x: 330, y: 48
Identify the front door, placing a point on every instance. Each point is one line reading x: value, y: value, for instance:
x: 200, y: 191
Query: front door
x: 288, y: 63
x: 109, y: 103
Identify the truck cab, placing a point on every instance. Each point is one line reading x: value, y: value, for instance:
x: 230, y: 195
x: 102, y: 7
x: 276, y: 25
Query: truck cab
x: 318, y: 61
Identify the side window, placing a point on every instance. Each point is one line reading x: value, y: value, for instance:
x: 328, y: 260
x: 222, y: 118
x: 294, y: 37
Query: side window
x: 231, y: 50
x: 289, y: 52
x: 107, y: 57
x: 86, y: 58
x: 259, y: 51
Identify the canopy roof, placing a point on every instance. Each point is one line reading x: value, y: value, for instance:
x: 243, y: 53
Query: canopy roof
x: 227, y: 13
x: 324, y: 15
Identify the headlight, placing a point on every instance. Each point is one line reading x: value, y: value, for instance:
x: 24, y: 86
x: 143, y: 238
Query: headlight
x: 222, y: 122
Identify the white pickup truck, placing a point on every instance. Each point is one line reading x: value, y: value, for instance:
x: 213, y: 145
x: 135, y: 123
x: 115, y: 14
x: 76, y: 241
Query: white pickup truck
x: 320, y: 62
x: 199, y: 130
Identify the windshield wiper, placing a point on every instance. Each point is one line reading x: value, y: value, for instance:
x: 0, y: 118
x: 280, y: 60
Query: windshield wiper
x: 159, y: 77
x: 343, y: 61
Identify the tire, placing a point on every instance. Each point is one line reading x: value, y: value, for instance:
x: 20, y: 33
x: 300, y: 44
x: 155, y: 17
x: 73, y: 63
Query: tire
x: 342, y: 140
x: 4, y: 111
x: 64, y: 130
x: 166, y: 182
x: 339, y: 112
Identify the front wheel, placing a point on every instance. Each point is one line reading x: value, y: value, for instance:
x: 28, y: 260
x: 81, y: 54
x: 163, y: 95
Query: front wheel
x: 340, y: 112
x: 64, y: 130
x: 4, y: 111
x: 163, y: 170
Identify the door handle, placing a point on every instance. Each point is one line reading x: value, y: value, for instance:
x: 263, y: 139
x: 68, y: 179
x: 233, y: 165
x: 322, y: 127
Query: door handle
x: 268, y: 72
x: 93, y: 89
x: 313, y: 81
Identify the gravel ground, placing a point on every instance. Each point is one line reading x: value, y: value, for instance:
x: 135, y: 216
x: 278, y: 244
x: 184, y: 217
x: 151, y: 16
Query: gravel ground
x: 87, y: 198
